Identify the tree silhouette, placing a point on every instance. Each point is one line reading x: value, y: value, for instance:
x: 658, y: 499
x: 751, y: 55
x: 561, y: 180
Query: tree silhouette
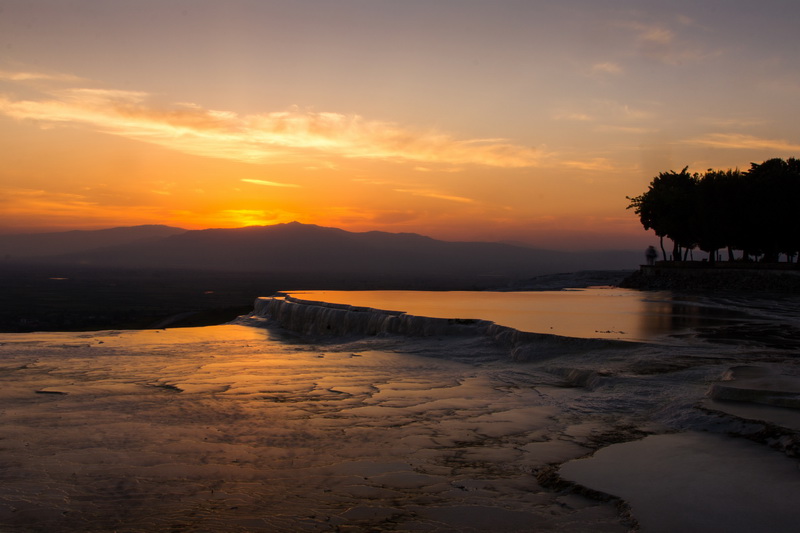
x: 775, y: 190
x: 718, y: 212
x: 754, y: 212
x: 668, y: 208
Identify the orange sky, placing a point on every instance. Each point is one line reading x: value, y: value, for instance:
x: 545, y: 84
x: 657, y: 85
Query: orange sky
x: 481, y: 120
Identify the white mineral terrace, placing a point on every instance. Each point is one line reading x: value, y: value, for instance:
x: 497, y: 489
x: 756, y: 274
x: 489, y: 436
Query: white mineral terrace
x: 285, y: 423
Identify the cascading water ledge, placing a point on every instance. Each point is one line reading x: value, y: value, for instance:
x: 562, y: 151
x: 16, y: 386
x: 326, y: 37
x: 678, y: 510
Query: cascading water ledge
x: 313, y: 318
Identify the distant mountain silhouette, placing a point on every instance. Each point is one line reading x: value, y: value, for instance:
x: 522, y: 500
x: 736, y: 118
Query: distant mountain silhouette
x: 296, y: 248
x: 39, y: 245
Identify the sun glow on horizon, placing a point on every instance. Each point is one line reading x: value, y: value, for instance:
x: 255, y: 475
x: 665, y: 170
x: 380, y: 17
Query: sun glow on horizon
x: 534, y: 127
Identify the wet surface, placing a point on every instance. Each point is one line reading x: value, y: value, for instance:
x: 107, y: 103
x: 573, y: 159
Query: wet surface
x: 599, y: 313
x: 226, y: 429
x: 684, y: 482
x: 235, y: 428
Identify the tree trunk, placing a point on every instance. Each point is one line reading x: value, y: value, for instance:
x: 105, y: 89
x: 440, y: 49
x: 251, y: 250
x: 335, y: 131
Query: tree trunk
x: 663, y: 251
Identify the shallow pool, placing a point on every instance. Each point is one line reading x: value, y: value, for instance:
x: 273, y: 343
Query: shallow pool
x: 606, y: 313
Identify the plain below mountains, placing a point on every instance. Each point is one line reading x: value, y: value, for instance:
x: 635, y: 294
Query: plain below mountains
x: 299, y: 249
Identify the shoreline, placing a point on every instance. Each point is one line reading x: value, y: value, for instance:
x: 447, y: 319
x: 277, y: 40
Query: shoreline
x: 56, y: 298
x: 728, y: 277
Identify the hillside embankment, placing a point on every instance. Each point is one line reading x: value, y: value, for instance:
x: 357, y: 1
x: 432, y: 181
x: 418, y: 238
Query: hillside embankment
x: 722, y: 276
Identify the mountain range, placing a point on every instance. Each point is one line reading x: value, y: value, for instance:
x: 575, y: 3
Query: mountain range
x: 47, y: 245
x: 299, y: 249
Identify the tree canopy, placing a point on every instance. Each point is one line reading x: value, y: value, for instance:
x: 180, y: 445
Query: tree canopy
x: 755, y: 211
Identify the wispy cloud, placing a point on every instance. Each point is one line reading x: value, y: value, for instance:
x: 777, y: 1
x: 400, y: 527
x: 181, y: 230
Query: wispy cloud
x: 595, y: 164
x: 428, y: 193
x: 731, y: 123
x: 574, y: 116
x: 267, y: 137
x: 27, y: 206
x: 739, y: 141
x: 394, y: 217
x: 607, y: 67
x: 450, y: 170
x: 21, y: 200
x: 372, y: 181
x: 634, y: 130
x: 667, y: 44
x: 269, y: 183
x: 416, y: 190
x: 37, y: 76
x: 608, y: 112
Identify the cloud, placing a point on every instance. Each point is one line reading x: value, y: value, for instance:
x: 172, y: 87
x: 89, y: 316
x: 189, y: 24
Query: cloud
x: 37, y: 76
x: 280, y: 136
x: 635, y: 130
x: 607, y: 112
x: 661, y: 43
x: 428, y: 193
x: 451, y: 170
x: 739, y: 141
x: 573, y: 116
x: 25, y: 207
x: 655, y: 35
x: 731, y: 123
x: 606, y: 68
x: 372, y: 181
x: 22, y: 200
x: 269, y: 183
x: 595, y: 164
x: 394, y: 217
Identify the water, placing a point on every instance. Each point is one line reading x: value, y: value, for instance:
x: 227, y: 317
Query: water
x: 605, y: 313
x: 235, y: 428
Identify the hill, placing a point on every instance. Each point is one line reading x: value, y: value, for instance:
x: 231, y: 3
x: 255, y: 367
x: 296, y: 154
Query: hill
x: 308, y: 249
x: 41, y: 245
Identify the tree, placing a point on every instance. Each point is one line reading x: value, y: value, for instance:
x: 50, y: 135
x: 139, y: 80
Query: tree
x: 753, y: 211
x: 774, y: 193
x: 718, y: 211
x: 668, y: 208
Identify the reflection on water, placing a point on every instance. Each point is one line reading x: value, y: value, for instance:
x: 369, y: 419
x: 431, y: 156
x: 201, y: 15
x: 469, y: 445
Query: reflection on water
x: 667, y: 314
x: 155, y: 337
x: 607, y: 313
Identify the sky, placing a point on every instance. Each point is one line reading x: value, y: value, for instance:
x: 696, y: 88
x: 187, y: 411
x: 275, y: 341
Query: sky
x: 471, y: 120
